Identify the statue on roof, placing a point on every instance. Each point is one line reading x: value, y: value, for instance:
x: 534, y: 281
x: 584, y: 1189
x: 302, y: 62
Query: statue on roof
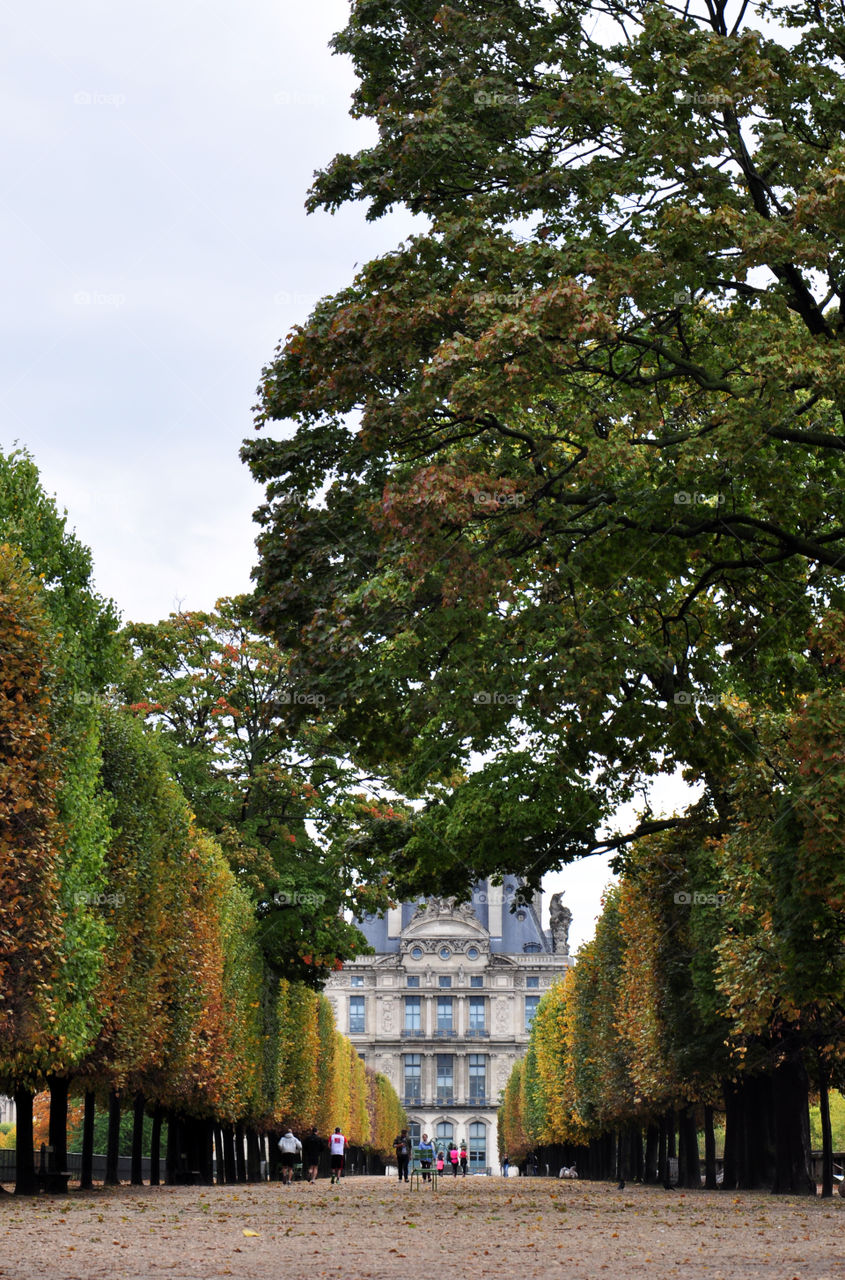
x: 560, y: 918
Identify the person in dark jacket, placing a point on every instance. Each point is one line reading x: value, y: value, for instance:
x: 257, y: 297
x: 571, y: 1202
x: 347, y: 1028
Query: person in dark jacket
x: 311, y: 1147
x: 402, y: 1147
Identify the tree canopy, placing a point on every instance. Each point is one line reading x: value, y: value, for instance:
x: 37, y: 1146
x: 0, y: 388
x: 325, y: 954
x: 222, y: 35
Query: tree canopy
x: 565, y: 475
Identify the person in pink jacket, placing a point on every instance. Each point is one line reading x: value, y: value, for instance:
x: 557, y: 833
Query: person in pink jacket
x: 454, y: 1158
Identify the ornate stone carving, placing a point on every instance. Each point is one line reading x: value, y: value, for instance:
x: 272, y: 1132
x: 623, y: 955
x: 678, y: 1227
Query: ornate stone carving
x: 501, y: 1014
x: 432, y: 908
x: 387, y: 1013
x: 560, y: 918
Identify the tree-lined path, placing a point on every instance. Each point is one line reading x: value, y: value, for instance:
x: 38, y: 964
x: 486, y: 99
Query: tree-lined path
x: 374, y: 1229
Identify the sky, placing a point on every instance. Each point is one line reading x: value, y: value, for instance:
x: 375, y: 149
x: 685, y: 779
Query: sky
x: 156, y: 162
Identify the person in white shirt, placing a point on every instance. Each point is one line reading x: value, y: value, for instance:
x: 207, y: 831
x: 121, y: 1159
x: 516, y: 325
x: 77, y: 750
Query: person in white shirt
x: 289, y: 1147
x: 337, y: 1148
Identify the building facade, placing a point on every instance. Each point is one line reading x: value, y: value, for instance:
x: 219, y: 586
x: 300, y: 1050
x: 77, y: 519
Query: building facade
x: 444, y: 1007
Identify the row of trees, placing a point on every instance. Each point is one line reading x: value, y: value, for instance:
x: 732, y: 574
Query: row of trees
x: 715, y: 984
x: 140, y: 958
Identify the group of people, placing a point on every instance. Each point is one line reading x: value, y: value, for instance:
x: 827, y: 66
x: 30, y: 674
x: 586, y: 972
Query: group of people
x: 290, y: 1148
x: 456, y: 1157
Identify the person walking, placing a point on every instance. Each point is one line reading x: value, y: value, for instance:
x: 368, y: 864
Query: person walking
x: 426, y: 1150
x: 464, y: 1159
x: 505, y: 1167
x: 337, y: 1147
x: 441, y: 1163
x: 454, y: 1157
x: 311, y: 1148
x: 401, y: 1146
x: 289, y: 1146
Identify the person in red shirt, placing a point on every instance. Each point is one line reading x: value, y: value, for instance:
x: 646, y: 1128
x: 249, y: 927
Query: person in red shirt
x: 454, y: 1158
x: 337, y: 1148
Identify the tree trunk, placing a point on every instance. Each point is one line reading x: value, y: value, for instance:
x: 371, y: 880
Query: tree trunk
x: 155, y: 1148
x: 86, y: 1176
x: 709, y: 1151
x: 229, y: 1153
x: 240, y: 1158
x: 218, y: 1152
x: 827, y: 1135
x: 138, y: 1140
x: 791, y: 1096
x: 652, y: 1156
x: 113, y: 1141
x: 171, y: 1157
x: 662, y: 1153
x: 729, y: 1163
x: 58, y: 1086
x: 206, y: 1140
x: 253, y: 1156
x: 689, y: 1167
x: 26, y: 1183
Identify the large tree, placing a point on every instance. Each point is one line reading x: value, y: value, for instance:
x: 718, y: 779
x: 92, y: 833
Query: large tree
x: 567, y: 465
x: 250, y: 750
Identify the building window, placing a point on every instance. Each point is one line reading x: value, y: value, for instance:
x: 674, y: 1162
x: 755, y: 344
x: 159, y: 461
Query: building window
x: 477, y: 1146
x: 532, y: 982
x: 477, y: 1014
x: 417, y: 953
x: 412, y: 1070
x: 476, y: 980
x: 472, y: 953
x: 356, y: 980
x: 531, y: 948
x: 444, y: 980
x: 356, y: 1015
x: 413, y: 981
x: 444, y: 1133
x: 445, y: 953
x: 414, y: 1132
x: 445, y: 1078
x: 444, y: 1013
x: 477, y: 1077
x: 413, y: 1017
x: 531, y: 1003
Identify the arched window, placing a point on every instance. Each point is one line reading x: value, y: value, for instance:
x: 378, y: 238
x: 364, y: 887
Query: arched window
x: 477, y: 1146
x: 414, y: 1132
x: 444, y: 1132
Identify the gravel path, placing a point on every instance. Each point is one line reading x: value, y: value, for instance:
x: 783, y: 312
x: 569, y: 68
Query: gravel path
x: 377, y: 1229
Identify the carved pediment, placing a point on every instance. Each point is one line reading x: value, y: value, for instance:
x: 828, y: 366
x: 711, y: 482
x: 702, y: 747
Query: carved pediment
x: 443, y: 918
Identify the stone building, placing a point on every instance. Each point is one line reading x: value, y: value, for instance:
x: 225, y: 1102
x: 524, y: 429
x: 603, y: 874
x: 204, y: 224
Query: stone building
x: 444, y: 1007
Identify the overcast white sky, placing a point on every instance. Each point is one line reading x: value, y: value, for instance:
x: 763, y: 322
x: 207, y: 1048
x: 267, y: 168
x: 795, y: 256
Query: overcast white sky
x: 156, y: 160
